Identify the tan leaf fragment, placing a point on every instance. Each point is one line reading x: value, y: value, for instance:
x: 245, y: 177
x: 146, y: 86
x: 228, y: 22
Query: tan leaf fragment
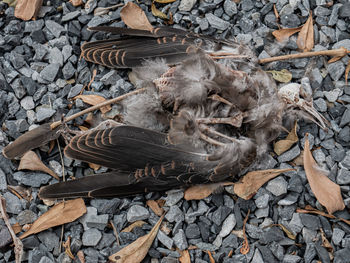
x: 164, y: 1
x: 285, y: 144
x: 277, y: 15
x: 66, y: 246
x: 21, y: 192
x: 63, y: 212
x: 94, y: 166
x: 16, y: 228
x: 238, y: 233
x: 137, y: 250
x: 211, y: 259
x: 94, y: 100
x: 252, y: 181
x: 134, y: 17
x: 285, y: 230
x: 245, y: 246
x: 283, y: 76
x: 299, y: 161
x: 326, y: 192
x: 334, y: 59
x: 76, y: 2
x: 81, y: 256
x: 31, y: 161
x: 155, y: 207
x: 200, y: 191
x: 10, y: 2
x: 26, y: 9
x: 305, y: 39
x: 347, y: 70
x: 133, y: 225
x: 185, y: 256
x: 284, y: 34
x: 156, y: 12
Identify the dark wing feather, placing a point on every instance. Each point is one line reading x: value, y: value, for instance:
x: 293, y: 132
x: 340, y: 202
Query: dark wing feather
x: 30, y: 140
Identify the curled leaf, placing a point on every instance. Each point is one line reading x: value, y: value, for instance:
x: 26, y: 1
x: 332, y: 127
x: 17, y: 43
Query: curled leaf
x: 283, y: 75
x: 283, y: 34
x: 31, y: 161
x: 155, y: 207
x: 326, y: 192
x: 63, y: 212
x: 133, y: 225
x: 137, y: 250
x: 252, y: 181
x: 94, y: 100
x: 200, y: 191
x: 134, y: 17
x: 305, y: 39
x: 156, y: 12
x: 26, y: 9
x: 284, y: 145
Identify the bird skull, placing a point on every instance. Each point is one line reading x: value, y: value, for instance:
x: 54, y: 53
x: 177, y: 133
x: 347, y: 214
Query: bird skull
x: 293, y: 95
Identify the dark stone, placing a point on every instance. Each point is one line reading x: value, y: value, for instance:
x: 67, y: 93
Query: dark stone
x: 310, y: 221
x: 273, y: 234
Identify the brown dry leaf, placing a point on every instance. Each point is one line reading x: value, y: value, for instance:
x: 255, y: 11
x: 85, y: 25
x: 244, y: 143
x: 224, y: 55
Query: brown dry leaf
x: 283, y: 76
x: 26, y: 9
x: 94, y: 166
x: 10, y: 2
x: 238, y: 233
x: 133, y: 225
x: 245, y: 246
x: 156, y: 12
x: 63, y: 212
x: 299, y: 161
x: 137, y: 250
x: 305, y: 39
x: 198, y: 192
x: 164, y: 1
x: 334, y: 59
x: 31, y: 161
x: 66, y: 246
x: 155, y: 207
x: 185, y: 256
x: 284, y: 34
x: 211, y: 259
x: 347, y: 70
x: 326, y: 192
x: 134, y: 17
x: 16, y: 228
x: 94, y: 100
x: 76, y: 2
x: 252, y: 181
x: 21, y: 192
x: 325, y: 243
x: 285, y: 144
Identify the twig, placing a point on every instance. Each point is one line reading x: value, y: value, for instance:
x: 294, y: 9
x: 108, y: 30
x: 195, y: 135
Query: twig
x: 340, y: 52
x: 18, y: 243
x: 115, y: 233
x: 96, y: 107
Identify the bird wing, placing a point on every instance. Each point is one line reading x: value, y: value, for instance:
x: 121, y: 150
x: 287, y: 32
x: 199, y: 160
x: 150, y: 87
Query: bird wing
x: 143, y: 160
x: 136, y: 46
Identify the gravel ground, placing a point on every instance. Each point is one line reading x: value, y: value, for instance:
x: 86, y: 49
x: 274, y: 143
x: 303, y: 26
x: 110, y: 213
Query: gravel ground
x: 38, y: 57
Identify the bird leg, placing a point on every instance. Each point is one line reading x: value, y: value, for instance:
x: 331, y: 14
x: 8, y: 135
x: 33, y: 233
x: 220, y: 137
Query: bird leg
x: 217, y: 97
x: 235, y: 121
x: 223, y: 55
x: 208, y: 129
x: 206, y: 138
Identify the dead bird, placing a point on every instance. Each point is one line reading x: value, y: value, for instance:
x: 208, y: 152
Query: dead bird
x: 196, y: 121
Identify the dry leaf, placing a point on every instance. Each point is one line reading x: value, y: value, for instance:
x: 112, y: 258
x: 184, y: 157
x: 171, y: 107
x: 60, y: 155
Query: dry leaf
x: 64, y: 212
x: 133, y: 225
x: 284, y: 145
x: 137, y: 250
x: 334, y: 59
x: 21, y: 192
x: 299, y: 161
x: 285, y: 230
x: 94, y: 166
x: 283, y: 34
x: 31, y: 161
x: 245, y: 246
x: 164, y: 1
x: 277, y: 15
x: 211, y: 259
x: 66, y: 246
x: 10, y: 2
x: 305, y: 39
x: 310, y: 210
x: 327, y: 192
x: 76, y: 2
x: 156, y: 12
x: 200, y: 191
x: 185, y: 256
x: 155, y: 207
x: 134, y: 17
x: 26, y: 9
x: 283, y: 75
x: 16, y: 228
x: 81, y: 256
x: 238, y: 233
x: 94, y: 100
x: 347, y: 73
x: 252, y: 181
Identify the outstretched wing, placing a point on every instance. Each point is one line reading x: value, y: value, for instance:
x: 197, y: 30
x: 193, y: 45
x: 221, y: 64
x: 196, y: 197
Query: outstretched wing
x: 143, y: 160
x: 136, y: 46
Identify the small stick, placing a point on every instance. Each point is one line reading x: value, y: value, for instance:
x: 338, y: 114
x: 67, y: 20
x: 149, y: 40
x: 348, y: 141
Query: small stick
x: 340, y: 52
x: 18, y: 243
x: 96, y: 107
x: 211, y: 140
x: 115, y: 232
x: 214, y: 132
